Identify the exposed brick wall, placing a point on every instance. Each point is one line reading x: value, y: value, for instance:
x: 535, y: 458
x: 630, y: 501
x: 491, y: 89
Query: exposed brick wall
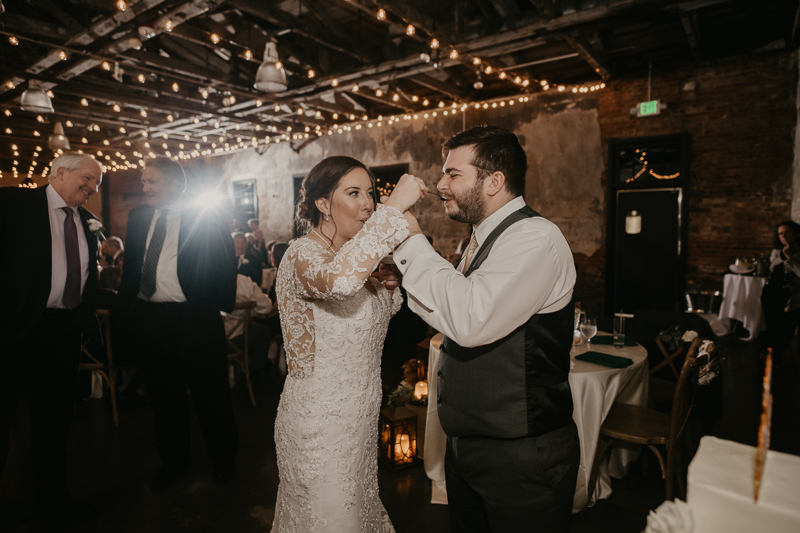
x: 742, y: 117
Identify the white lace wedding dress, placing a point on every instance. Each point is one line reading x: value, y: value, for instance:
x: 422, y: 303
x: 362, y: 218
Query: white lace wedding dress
x: 326, y: 431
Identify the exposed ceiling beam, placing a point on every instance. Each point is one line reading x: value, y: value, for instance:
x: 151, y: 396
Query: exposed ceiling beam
x: 691, y: 27
x: 438, y: 86
x: 591, y: 54
x: 547, y: 8
x: 319, y: 35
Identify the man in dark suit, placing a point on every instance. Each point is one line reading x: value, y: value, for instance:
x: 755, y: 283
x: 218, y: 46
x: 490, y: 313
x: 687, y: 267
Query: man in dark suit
x: 112, y: 249
x: 48, y: 282
x: 179, y: 274
x: 248, y: 264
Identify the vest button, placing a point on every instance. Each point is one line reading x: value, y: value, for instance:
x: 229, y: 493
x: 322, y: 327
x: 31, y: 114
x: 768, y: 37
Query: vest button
x: 402, y: 261
x: 439, y: 373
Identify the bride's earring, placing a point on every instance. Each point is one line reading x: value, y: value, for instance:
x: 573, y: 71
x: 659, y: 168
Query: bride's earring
x: 326, y: 217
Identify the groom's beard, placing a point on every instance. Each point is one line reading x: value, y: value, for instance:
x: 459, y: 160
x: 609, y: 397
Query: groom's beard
x: 470, y: 205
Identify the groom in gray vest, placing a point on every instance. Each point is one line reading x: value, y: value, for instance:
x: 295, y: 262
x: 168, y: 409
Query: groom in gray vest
x: 506, y: 313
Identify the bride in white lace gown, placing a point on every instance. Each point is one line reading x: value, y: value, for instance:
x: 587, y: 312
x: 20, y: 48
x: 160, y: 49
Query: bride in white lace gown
x: 334, y: 317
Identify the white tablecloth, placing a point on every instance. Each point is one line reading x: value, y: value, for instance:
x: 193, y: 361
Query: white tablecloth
x: 594, y: 389
x: 741, y: 299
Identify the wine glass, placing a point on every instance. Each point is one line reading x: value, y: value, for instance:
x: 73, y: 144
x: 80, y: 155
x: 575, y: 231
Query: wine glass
x: 589, y: 329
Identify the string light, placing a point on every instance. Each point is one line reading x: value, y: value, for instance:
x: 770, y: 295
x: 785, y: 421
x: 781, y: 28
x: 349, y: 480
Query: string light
x: 143, y: 113
x: 434, y: 43
x: 334, y: 82
x: 106, y: 65
x: 215, y: 38
x: 84, y: 102
x: 13, y: 40
x: 311, y: 73
x: 248, y: 55
x: 175, y: 87
x: 121, y: 5
x: 381, y: 14
x: 170, y: 118
x: 355, y: 88
x: 140, y: 77
x: 7, y: 112
x: 117, y: 108
x: 168, y: 25
x: 410, y: 30
x: 10, y: 84
x: 378, y: 93
x: 62, y: 55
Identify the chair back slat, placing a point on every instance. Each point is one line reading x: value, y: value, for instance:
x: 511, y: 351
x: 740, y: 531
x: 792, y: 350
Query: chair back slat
x: 683, y: 402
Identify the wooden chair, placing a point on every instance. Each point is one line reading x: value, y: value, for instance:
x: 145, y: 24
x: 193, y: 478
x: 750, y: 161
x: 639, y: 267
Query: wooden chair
x: 106, y: 370
x: 661, y: 390
x: 648, y: 427
x: 242, y: 355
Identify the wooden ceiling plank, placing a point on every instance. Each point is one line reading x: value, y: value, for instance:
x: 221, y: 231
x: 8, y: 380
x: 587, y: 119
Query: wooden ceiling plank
x: 596, y: 59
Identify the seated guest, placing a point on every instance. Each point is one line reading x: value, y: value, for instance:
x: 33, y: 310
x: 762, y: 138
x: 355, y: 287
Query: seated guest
x: 248, y: 264
x: 260, y: 335
x: 252, y: 247
x: 257, y: 233
x: 112, y: 248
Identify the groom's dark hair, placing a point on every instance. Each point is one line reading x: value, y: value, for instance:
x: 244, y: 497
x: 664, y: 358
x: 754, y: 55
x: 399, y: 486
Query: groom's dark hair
x: 495, y: 150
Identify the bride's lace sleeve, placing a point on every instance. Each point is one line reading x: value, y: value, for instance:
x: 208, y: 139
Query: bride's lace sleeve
x: 310, y: 272
x: 397, y: 301
x: 324, y: 276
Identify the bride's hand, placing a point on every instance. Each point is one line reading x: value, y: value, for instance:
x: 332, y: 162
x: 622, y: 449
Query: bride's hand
x: 407, y: 192
x: 389, y: 276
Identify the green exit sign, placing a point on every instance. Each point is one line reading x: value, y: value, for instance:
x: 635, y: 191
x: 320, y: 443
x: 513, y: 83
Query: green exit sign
x: 647, y: 109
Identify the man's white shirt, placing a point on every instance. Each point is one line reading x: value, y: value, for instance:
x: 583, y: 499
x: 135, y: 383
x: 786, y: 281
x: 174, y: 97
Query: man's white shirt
x: 168, y: 287
x: 529, y: 270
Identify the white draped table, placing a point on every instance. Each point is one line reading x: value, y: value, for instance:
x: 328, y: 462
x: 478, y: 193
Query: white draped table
x: 741, y: 300
x: 595, y: 388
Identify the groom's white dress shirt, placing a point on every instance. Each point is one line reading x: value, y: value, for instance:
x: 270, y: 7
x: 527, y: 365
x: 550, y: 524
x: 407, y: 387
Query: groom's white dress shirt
x: 529, y: 270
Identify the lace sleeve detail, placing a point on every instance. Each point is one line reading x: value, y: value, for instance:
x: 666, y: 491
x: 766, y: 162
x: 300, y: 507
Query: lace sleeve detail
x: 309, y: 272
x: 324, y: 276
x: 397, y: 301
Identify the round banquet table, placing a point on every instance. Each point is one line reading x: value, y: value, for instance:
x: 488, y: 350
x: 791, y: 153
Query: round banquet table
x: 595, y: 388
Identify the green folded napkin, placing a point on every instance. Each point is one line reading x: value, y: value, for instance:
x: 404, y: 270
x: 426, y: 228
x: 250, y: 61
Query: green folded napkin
x: 609, y: 340
x: 614, y: 361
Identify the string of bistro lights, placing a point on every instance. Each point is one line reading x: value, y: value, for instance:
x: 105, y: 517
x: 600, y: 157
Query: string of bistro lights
x: 215, y: 142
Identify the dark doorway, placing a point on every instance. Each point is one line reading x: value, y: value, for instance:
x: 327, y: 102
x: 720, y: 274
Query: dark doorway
x: 647, y: 223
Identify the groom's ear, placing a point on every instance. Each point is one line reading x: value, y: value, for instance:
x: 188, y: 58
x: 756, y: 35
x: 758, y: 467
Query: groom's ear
x: 495, y: 183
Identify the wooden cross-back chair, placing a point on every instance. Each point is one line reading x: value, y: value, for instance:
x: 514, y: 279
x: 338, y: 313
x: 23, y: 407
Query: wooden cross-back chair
x: 106, y: 369
x: 242, y: 355
x: 648, y: 427
x: 661, y: 390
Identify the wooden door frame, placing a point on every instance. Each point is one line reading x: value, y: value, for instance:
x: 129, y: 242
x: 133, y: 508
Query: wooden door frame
x: 684, y: 142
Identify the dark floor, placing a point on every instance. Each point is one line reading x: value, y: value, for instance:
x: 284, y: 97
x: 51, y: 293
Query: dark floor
x: 112, y: 466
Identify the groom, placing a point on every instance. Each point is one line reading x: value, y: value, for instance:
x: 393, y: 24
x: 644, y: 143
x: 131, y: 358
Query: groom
x: 507, y: 317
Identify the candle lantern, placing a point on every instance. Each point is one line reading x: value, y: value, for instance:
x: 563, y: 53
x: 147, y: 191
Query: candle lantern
x: 398, y: 436
x: 421, y: 390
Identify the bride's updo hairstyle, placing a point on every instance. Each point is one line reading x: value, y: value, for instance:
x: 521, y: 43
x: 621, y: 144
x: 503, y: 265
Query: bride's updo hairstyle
x: 321, y: 182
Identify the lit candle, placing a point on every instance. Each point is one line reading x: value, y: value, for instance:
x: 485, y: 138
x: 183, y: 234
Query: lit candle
x: 420, y: 389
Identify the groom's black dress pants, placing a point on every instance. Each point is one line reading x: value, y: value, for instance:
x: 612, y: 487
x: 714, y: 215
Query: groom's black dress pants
x: 180, y: 346
x: 512, y: 485
x: 45, y: 367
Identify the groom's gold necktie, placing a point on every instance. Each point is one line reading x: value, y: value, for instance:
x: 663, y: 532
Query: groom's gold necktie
x: 473, y: 245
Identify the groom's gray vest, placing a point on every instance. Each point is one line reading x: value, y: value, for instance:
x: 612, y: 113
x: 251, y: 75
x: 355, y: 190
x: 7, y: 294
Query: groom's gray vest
x: 515, y: 387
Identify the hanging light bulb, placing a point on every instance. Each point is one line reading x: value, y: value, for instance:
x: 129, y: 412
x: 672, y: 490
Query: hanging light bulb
x: 503, y: 75
x: 140, y: 77
x: 476, y: 61
x: 84, y: 102
x: 215, y: 38
x: 410, y: 30
x: 248, y: 55
x: 434, y: 43
x: 334, y: 82
x: 311, y: 73
x: 69, y: 123
x: 175, y: 87
x: 425, y: 102
x: 454, y: 54
x: 121, y: 5
x: 168, y: 25
x: 117, y: 108
x: 143, y: 113
x: 7, y: 112
x: 259, y: 103
x: 395, y: 97
x: 381, y: 14
x: 122, y: 130
x: 13, y: 40
x: 62, y: 55
x: 355, y: 88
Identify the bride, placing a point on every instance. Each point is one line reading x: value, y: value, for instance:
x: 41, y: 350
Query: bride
x: 334, y: 317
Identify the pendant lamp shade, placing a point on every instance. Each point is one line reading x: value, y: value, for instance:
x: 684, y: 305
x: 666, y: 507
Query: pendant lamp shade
x: 58, y: 139
x: 271, y: 77
x: 35, y: 99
